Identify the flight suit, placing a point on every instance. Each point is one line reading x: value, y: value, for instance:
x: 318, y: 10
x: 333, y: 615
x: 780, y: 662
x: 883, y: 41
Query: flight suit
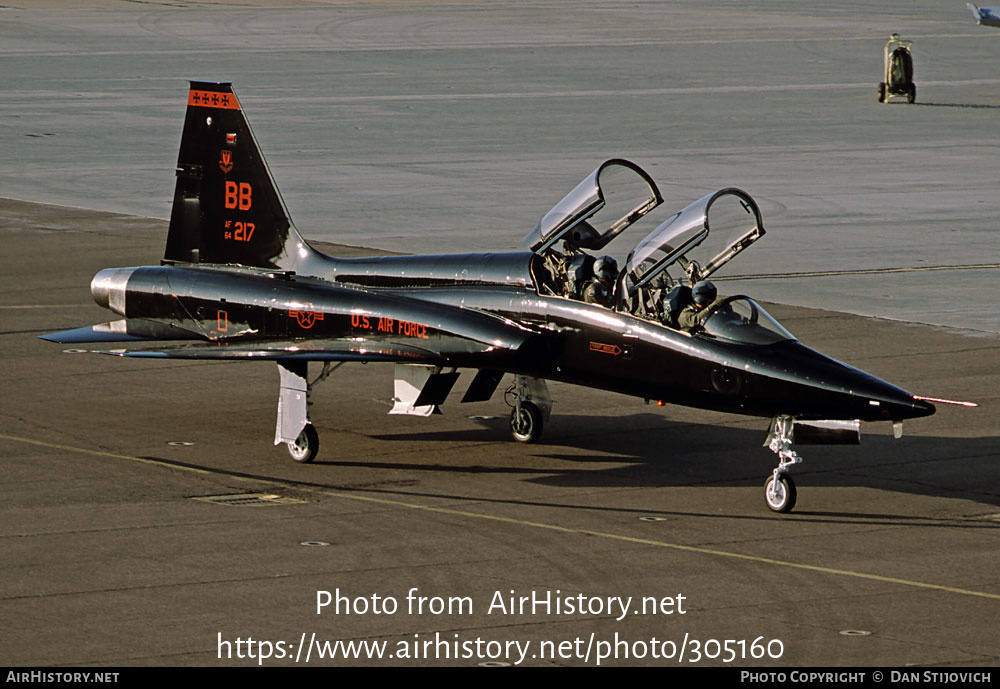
x: 596, y: 292
x: 692, y: 317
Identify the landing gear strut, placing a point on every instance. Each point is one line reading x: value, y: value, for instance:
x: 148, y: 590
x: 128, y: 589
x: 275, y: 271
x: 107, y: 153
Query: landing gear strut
x: 779, y: 489
x: 293, y: 426
x: 531, y: 407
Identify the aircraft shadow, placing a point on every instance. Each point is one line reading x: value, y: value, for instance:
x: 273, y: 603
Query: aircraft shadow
x: 648, y: 450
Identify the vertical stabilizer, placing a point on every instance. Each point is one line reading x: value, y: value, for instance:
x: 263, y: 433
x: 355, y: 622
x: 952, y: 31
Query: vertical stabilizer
x: 227, y: 208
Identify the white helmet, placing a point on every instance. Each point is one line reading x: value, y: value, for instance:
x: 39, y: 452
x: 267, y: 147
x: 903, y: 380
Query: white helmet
x: 606, y: 268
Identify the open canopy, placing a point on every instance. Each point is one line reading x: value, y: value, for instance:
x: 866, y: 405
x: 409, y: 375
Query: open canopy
x: 600, y: 208
x: 699, y: 239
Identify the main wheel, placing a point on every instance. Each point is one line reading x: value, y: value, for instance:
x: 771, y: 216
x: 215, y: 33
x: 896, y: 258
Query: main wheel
x: 911, y: 94
x: 306, y: 446
x: 780, y: 494
x: 881, y: 92
x: 526, y: 425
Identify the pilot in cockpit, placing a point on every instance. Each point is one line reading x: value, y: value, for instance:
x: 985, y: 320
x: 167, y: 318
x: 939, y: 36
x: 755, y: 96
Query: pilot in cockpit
x: 693, y: 315
x: 600, y: 289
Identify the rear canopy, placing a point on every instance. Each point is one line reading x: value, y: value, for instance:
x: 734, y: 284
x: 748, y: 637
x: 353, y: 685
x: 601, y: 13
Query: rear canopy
x: 598, y: 209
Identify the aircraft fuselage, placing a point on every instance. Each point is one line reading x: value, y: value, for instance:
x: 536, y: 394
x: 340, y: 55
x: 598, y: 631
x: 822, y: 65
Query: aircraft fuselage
x: 418, y: 299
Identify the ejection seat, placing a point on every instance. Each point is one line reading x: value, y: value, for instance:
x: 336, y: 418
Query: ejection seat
x: 679, y: 297
x: 579, y: 271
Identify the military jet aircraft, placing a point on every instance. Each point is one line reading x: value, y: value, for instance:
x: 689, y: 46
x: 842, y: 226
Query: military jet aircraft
x: 238, y: 282
x: 985, y: 16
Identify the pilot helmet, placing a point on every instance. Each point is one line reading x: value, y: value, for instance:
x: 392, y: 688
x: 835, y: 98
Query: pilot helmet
x: 704, y: 293
x: 606, y: 268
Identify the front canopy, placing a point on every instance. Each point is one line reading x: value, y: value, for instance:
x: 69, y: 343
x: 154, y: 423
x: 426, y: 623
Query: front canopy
x: 699, y: 239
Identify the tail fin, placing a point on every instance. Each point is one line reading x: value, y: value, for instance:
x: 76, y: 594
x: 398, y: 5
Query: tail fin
x: 227, y: 208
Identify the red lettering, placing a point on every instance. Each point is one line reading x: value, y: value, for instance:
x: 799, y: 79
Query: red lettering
x: 239, y: 195
x: 231, y: 194
x: 410, y: 329
x: 244, y: 231
x: 245, y: 191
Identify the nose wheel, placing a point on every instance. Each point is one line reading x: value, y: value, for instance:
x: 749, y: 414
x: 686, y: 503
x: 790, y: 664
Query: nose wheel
x: 779, y: 492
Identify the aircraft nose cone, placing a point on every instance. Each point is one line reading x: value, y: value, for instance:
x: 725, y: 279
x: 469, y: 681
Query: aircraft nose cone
x: 921, y: 408
x: 886, y: 401
x: 831, y: 389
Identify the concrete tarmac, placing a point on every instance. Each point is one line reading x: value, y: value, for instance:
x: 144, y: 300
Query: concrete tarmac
x: 424, y: 126
x: 443, y: 126
x: 111, y: 556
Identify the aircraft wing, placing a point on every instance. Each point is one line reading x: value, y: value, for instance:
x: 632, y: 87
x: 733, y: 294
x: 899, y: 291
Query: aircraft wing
x: 985, y: 16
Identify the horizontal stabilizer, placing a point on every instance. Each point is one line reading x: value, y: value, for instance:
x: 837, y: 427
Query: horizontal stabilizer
x: 330, y: 350
x: 125, y: 330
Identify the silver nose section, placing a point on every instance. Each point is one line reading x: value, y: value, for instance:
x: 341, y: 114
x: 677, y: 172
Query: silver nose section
x: 108, y: 288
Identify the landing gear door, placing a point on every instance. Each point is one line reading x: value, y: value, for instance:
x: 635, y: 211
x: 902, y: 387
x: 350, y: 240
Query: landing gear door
x: 699, y: 240
x: 601, y: 207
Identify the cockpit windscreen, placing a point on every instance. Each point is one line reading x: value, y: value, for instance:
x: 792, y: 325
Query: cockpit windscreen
x: 741, y: 319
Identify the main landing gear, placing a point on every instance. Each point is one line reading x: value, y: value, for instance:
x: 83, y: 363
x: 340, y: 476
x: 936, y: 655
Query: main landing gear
x: 531, y: 406
x: 529, y: 398
x: 293, y: 427
x: 779, y: 489
x: 305, y: 448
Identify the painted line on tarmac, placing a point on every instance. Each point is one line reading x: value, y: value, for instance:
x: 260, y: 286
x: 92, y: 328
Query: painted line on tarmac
x: 547, y: 42
x: 346, y: 494
x: 615, y: 93
x: 860, y: 271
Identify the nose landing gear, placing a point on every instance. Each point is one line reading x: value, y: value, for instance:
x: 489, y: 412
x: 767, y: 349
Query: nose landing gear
x: 779, y: 489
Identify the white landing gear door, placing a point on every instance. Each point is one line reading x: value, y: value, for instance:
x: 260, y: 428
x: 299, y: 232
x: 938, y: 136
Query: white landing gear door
x: 293, y: 401
x: 419, y: 389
